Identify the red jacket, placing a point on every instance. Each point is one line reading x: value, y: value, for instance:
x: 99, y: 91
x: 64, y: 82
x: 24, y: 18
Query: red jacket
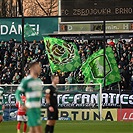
x: 112, y: 43
x: 20, y: 110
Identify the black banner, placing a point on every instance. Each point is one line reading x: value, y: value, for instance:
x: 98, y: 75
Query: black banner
x: 111, y: 99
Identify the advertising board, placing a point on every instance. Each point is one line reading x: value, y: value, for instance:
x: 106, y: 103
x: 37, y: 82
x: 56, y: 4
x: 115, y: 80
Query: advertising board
x: 125, y: 114
x: 84, y: 114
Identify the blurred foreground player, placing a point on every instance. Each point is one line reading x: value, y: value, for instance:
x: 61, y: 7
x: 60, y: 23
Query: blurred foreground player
x: 21, y: 115
x: 32, y: 87
x: 52, y: 105
x: 2, y: 107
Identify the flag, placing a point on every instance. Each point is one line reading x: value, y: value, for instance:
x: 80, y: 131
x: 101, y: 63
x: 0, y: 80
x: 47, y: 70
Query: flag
x: 63, y: 56
x: 93, y: 68
x: 28, y: 31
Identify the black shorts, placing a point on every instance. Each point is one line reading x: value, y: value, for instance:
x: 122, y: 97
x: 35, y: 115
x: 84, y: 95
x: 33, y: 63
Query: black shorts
x: 52, y: 115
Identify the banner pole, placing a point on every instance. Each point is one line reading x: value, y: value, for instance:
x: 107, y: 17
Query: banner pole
x: 101, y: 117
x: 104, y: 61
x: 120, y: 101
x: 21, y: 12
x: 23, y: 73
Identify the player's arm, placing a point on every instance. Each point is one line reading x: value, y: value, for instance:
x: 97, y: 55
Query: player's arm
x: 18, y: 97
x: 47, y: 97
x: 19, y: 91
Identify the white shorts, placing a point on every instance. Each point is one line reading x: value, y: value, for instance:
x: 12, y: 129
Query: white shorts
x: 22, y: 118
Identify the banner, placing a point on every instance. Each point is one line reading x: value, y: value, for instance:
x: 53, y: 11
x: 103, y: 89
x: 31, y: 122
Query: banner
x: 12, y: 27
x: 79, y: 100
x: 63, y: 56
x: 90, y: 100
x: 125, y: 114
x: 93, y: 68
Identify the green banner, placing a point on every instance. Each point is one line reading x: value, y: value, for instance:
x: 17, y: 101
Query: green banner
x: 62, y: 55
x: 93, y: 68
x: 12, y: 28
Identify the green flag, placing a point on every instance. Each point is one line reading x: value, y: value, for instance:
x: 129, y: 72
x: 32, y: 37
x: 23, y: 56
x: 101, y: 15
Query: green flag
x: 62, y: 55
x: 28, y: 31
x: 93, y: 68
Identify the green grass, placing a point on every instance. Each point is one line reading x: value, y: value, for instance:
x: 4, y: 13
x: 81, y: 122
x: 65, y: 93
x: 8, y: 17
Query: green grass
x: 79, y: 127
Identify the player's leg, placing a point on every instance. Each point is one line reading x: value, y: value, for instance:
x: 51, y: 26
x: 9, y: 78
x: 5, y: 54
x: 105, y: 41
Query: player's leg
x: 38, y: 129
x: 25, y: 127
x: 47, y: 127
x: 52, y: 117
x: 31, y: 130
x: 52, y: 127
x: 25, y: 123
x: 18, y: 126
x: 20, y: 119
x: 51, y: 124
x: 48, y: 124
x: 34, y: 119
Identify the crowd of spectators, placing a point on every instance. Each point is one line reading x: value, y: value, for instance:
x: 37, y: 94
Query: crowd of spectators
x: 11, y: 61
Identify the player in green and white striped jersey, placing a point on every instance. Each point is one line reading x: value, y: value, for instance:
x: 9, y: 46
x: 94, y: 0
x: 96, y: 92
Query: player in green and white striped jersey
x: 1, y: 103
x: 32, y: 87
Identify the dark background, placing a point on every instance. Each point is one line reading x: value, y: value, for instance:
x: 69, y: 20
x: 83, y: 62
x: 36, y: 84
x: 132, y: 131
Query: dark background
x: 69, y: 5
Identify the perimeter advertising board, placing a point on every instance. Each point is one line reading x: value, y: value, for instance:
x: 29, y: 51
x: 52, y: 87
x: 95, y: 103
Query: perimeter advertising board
x: 84, y: 114
x: 71, y: 114
x: 80, y: 106
x: 125, y: 114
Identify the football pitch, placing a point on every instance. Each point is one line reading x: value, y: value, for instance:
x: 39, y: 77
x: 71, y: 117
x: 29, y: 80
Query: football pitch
x: 79, y: 127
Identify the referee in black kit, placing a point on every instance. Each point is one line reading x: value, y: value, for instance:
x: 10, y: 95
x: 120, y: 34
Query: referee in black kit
x: 52, y: 105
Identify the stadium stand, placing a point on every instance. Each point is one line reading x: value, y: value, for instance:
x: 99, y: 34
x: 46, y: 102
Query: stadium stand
x: 11, y: 61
